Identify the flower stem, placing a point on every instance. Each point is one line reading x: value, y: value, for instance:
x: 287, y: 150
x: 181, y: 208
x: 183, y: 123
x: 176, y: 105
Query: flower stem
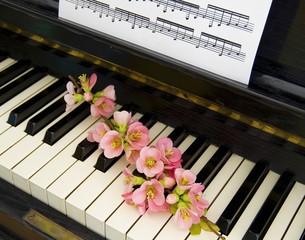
x: 74, y: 82
x: 208, y: 222
x: 109, y: 123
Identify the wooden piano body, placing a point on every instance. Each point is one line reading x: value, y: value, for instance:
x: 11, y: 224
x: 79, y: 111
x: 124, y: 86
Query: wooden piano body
x: 264, y: 120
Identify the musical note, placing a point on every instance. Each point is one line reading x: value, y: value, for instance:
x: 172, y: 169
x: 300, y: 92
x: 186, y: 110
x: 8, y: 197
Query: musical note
x: 177, y: 31
x: 222, y: 47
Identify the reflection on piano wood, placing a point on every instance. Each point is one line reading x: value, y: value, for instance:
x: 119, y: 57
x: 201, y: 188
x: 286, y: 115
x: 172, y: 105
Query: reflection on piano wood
x: 50, y: 171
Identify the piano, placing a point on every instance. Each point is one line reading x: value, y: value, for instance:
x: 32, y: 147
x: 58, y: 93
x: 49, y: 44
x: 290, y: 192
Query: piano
x: 248, y: 141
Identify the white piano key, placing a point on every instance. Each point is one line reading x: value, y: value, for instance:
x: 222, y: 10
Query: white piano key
x: 297, y: 225
x: 224, y: 197
x: 285, y: 214
x: 40, y: 181
x: 97, y: 182
x: 214, y: 188
x: 254, y: 205
x: 22, y: 148
x: 6, y: 63
x: 37, y: 159
x: 102, y: 208
x: 117, y: 229
x: 71, y: 179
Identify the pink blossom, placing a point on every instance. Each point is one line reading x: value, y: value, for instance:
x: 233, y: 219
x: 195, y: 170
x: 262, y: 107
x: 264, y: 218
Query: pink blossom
x: 185, y: 217
x: 151, y: 191
x: 132, y: 155
x: 128, y: 180
x: 99, y: 132
x: 137, y: 135
x: 112, y: 143
x: 198, y: 203
x: 184, y: 178
x: 149, y: 162
x: 102, y: 107
x: 109, y: 92
x: 169, y: 153
x: 121, y: 119
x: 69, y: 97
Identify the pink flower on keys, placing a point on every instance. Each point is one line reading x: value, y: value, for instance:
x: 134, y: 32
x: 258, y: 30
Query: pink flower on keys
x: 99, y: 132
x: 184, y: 178
x: 137, y: 135
x: 132, y: 155
x: 151, y: 191
x: 198, y: 203
x: 150, y: 162
x: 122, y: 120
x: 112, y: 143
x: 170, y: 154
x: 102, y: 107
x: 71, y: 97
x: 185, y: 217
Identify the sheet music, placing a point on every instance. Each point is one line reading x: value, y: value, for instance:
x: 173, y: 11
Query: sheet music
x: 216, y: 35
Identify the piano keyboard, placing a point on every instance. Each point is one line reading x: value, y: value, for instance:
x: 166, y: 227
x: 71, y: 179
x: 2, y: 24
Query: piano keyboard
x: 247, y: 200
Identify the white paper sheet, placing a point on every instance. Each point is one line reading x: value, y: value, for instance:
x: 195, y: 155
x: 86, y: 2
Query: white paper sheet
x: 220, y: 36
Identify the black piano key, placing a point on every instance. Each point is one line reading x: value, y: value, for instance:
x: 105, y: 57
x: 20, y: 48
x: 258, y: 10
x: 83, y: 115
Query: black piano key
x: 85, y: 148
x: 45, y: 117
x: 38, y: 101
x: 2, y: 56
x: 242, y: 197
x: 194, y: 151
x: 103, y: 163
x: 271, y: 206
x: 209, y: 171
x: 64, y: 125
x: 178, y: 135
x: 13, y: 71
x: 12, y: 89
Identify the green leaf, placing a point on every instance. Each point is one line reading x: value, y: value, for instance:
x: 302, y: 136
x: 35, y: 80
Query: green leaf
x: 173, y: 208
x: 206, y: 225
x: 195, y: 229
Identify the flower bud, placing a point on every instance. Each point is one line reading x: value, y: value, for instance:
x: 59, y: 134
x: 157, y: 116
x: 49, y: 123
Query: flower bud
x: 168, y: 182
x: 88, y: 96
x: 172, y: 198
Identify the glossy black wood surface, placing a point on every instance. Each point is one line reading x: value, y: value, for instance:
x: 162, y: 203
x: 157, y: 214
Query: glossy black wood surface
x: 268, y: 98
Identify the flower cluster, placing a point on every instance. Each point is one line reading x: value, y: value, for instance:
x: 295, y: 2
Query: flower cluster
x: 159, y: 183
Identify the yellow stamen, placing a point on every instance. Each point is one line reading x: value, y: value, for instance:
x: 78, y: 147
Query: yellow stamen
x: 169, y: 152
x: 128, y: 180
x: 150, y: 162
x: 135, y: 136
x: 150, y: 192
x: 116, y: 143
x: 184, y: 181
x: 185, y: 214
